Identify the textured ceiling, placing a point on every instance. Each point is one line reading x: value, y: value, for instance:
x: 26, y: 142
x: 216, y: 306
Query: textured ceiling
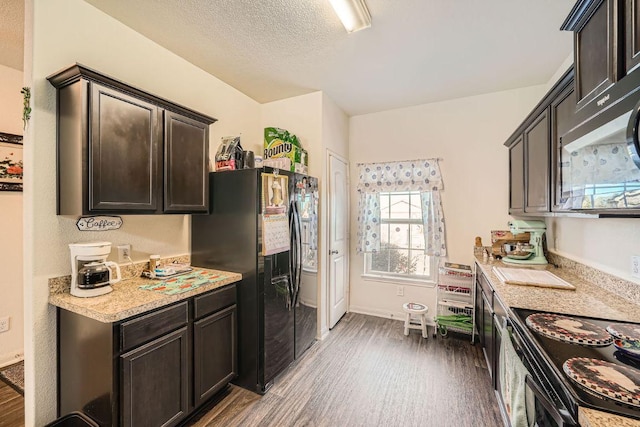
x: 11, y: 33
x: 417, y: 51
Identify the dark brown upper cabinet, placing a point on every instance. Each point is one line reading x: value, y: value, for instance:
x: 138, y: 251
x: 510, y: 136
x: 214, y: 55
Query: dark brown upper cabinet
x: 122, y: 150
x: 516, y: 176
x: 531, y: 151
x: 606, y: 50
x: 632, y: 35
x: 563, y: 108
x: 536, y: 163
x: 186, y: 185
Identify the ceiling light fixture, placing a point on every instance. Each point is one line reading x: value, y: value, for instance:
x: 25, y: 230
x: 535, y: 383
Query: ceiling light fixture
x: 353, y: 13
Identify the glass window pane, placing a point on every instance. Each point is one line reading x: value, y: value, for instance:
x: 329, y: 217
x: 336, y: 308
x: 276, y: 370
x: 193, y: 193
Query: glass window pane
x: 417, y: 236
x: 420, y: 263
x: 399, y: 235
x: 399, y: 206
x: 384, y: 234
x: 380, y: 260
x: 416, y: 208
x: 384, y: 205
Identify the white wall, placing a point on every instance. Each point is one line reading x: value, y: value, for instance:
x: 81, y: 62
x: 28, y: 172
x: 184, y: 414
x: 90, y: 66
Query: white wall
x: 300, y: 115
x: 11, y: 289
x: 468, y: 135
x: 64, y: 32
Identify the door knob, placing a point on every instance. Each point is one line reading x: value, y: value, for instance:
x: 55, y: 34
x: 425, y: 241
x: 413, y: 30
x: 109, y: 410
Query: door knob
x: 333, y: 252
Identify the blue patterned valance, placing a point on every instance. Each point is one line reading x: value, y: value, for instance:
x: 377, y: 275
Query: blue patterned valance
x: 416, y: 175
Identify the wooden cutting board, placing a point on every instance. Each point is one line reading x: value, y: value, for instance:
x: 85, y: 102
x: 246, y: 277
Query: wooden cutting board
x: 527, y: 277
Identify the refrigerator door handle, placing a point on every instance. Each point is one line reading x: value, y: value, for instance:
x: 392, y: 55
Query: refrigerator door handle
x: 295, y: 250
x: 292, y: 251
x: 299, y: 255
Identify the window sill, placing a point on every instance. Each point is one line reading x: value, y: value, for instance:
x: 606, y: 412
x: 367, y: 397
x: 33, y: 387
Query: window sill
x: 398, y: 280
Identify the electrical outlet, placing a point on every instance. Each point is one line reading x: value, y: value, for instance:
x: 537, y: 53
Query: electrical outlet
x: 4, y: 324
x: 635, y: 266
x: 400, y: 291
x: 124, y: 253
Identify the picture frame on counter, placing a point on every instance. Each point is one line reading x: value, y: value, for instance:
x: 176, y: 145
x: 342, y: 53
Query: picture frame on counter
x: 11, y: 162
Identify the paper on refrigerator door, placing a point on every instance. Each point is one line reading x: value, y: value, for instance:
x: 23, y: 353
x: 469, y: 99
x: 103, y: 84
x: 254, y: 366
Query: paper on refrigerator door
x: 275, y: 234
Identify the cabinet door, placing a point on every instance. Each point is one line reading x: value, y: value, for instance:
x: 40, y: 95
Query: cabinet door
x: 154, y: 385
x: 186, y: 168
x: 215, y: 353
x: 562, y: 112
x: 123, y: 152
x: 536, y: 152
x: 632, y: 34
x: 487, y: 332
x: 596, y: 52
x: 479, y: 307
x: 516, y: 177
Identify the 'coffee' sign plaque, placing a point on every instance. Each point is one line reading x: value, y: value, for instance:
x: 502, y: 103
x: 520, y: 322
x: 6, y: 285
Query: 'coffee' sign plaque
x: 99, y: 223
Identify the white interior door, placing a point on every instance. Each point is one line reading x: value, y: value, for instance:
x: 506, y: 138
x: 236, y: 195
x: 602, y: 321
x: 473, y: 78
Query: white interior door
x: 338, y: 240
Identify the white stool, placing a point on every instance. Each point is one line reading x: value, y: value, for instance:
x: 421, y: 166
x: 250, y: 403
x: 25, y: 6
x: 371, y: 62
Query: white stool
x: 420, y: 310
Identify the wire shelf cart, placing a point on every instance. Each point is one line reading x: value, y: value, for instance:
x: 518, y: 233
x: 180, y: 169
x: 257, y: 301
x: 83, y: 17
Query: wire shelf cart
x: 455, y: 300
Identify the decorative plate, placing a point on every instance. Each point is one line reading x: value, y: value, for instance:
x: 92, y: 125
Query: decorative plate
x: 625, y: 331
x: 629, y: 348
x: 605, y: 379
x: 569, y: 329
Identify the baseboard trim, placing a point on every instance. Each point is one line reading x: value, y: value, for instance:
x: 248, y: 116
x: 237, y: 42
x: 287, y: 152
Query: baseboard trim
x: 11, y: 359
x: 396, y: 315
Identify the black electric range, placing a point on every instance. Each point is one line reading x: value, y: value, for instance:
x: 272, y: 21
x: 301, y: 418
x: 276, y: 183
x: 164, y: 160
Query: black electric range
x: 551, y: 354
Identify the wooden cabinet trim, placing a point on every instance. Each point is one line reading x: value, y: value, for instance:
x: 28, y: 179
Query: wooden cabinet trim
x: 77, y: 71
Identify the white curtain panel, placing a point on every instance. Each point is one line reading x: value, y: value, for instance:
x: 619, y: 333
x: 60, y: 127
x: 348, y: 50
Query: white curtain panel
x: 416, y: 175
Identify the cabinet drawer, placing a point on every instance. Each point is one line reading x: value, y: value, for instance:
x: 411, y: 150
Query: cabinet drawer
x: 214, y: 301
x: 142, y: 329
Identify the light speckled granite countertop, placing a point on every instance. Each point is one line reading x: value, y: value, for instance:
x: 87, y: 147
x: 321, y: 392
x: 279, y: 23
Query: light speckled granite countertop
x: 587, y: 300
x: 127, y: 299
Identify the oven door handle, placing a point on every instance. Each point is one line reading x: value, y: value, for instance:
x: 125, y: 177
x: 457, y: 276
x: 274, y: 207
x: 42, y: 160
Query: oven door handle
x: 560, y: 416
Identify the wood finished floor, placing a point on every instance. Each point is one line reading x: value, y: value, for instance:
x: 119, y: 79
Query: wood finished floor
x: 11, y: 407
x: 367, y: 373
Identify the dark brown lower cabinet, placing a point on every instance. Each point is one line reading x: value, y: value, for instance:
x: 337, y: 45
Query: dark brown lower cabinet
x: 154, y: 369
x: 155, y: 381
x: 215, y: 353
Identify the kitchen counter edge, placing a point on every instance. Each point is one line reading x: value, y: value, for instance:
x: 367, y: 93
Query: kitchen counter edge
x: 128, y: 300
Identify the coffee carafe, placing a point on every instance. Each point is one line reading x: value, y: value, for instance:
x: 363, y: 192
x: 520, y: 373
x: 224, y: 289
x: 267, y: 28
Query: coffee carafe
x: 91, y: 273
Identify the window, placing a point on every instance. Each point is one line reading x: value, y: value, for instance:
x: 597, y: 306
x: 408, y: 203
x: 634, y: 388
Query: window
x: 402, y: 244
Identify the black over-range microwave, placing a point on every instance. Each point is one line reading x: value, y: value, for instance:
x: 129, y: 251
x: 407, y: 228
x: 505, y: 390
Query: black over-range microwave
x: 599, y: 168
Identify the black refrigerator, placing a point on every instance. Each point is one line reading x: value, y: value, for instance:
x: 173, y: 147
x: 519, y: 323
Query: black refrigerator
x: 263, y: 224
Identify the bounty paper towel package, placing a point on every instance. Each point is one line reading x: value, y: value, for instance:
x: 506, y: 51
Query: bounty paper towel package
x: 283, y: 150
